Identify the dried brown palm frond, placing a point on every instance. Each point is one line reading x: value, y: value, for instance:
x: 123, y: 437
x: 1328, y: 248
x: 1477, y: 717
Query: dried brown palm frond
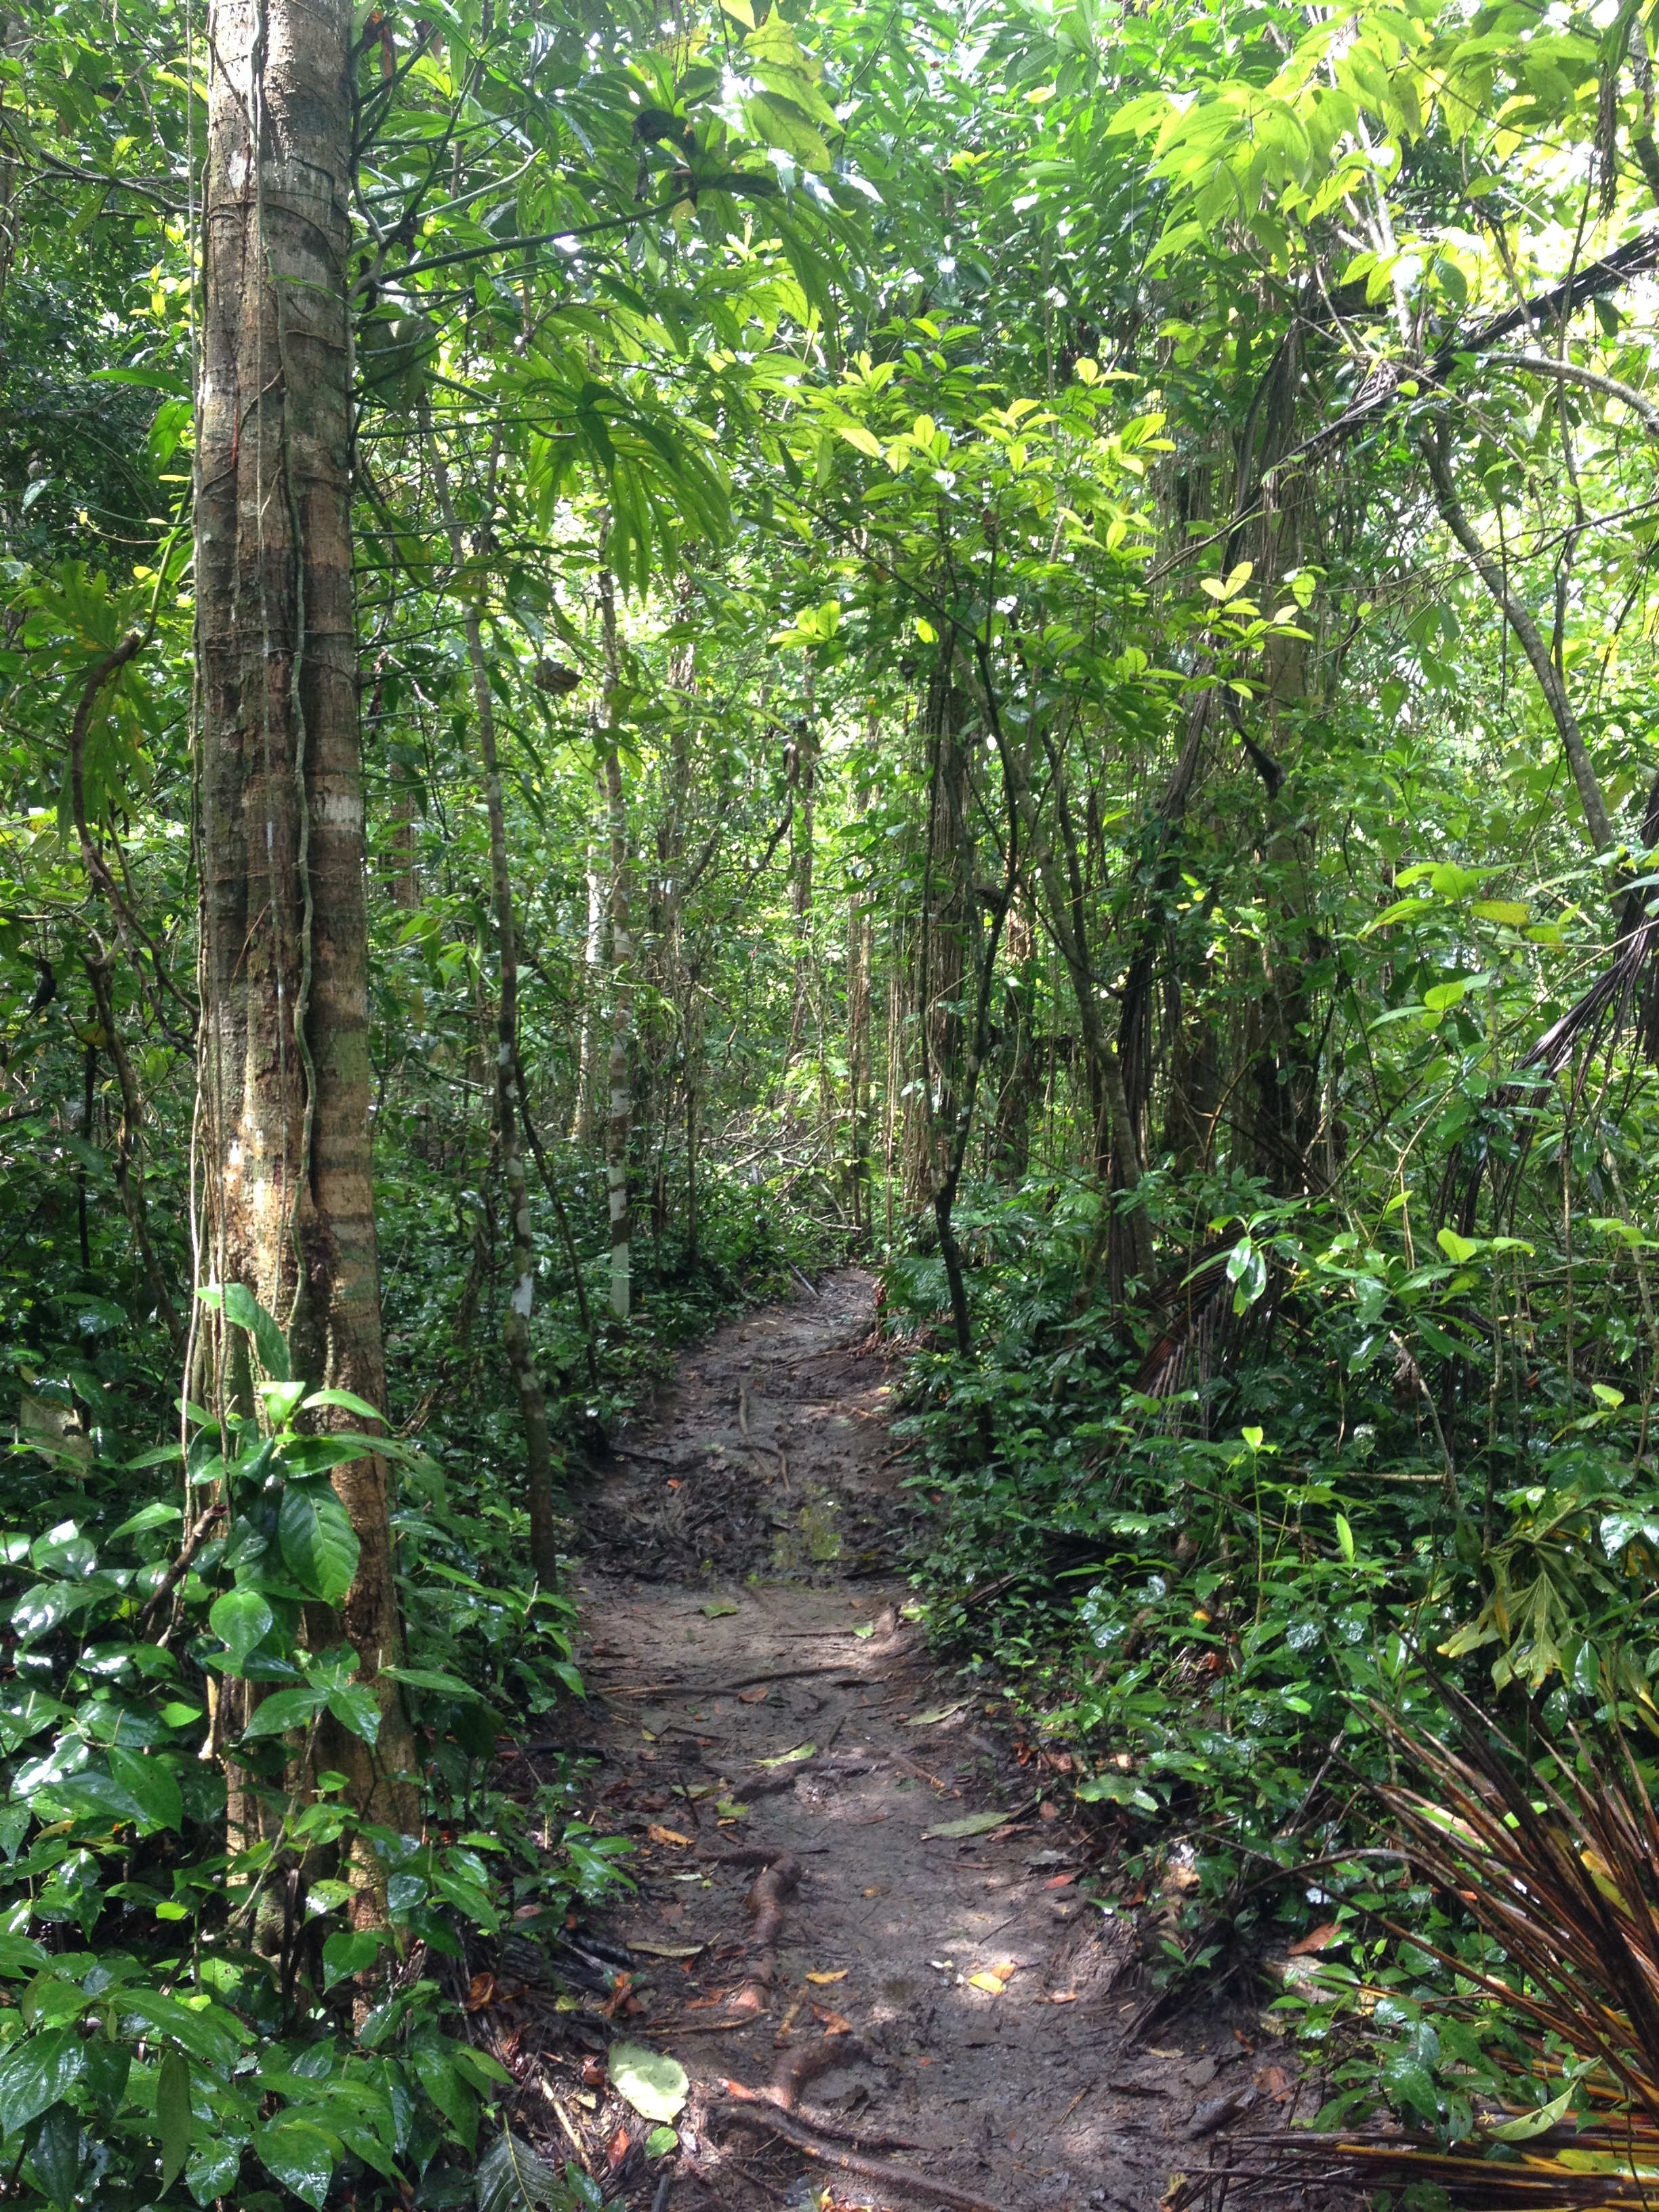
x: 1331, y: 2173
x: 1558, y: 1862
x: 1204, y: 1329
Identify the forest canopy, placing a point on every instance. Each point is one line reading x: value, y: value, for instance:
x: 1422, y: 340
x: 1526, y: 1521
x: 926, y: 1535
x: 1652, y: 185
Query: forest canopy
x: 649, y: 650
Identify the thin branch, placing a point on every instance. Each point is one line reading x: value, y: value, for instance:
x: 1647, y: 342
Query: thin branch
x: 1527, y: 633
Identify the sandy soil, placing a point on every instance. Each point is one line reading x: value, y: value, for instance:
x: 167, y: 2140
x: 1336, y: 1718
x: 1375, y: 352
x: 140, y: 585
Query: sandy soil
x: 951, y: 2002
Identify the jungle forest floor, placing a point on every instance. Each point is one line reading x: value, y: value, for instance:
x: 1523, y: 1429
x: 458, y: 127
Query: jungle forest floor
x: 947, y: 2004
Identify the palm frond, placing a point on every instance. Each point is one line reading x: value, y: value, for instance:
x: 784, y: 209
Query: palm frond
x: 1556, y: 1858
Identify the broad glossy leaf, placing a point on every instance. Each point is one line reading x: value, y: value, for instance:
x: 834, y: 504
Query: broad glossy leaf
x: 243, y: 1618
x: 318, y: 1544
x: 287, y: 1709
x: 36, y: 2074
x: 348, y: 1952
x: 300, y: 2156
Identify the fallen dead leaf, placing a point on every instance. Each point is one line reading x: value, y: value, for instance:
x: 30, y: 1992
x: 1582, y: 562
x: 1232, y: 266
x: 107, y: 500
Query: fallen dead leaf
x: 481, y: 1992
x: 988, y: 1982
x: 1314, y: 1939
x: 618, y: 2150
x: 840, y: 1975
x: 1058, y: 1997
x: 924, y: 2061
x: 661, y: 1835
x: 1152, y: 2051
x: 877, y: 1891
x: 976, y: 1823
x: 1274, y: 2082
x: 753, y: 1697
x: 1047, y: 1810
x: 1059, y: 1880
x: 666, y: 1950
x: 1006, y: 1969
x: 832, y: 2023
x: 788, y: 1757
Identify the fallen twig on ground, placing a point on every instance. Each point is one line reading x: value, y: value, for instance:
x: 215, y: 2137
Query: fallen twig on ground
x: 763, y: 2113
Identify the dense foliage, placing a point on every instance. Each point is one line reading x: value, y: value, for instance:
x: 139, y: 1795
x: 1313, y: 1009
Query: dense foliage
x: 1011, y: 639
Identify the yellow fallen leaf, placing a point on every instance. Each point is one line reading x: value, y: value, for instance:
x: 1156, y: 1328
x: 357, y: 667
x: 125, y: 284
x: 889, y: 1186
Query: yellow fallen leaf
x: 988, y: 1982
x: 668, y: 1836
x: 839, y: 1976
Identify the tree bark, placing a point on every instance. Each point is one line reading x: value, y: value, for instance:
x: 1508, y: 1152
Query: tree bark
x: 285, y: 1064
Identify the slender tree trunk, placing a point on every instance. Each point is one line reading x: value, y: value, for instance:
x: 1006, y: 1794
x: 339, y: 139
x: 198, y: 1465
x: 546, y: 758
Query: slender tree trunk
x: 587, y: 1052
x: 804, y: 778
x: 1436, y: 448
x: 129, y: 1175
x: 619, y: 1119
x: 860, y: 950
x: 285, y: 1063
x: 515, y: 1321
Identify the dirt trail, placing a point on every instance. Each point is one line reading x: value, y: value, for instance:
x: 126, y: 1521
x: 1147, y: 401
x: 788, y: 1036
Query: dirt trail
x: 949, y: 2001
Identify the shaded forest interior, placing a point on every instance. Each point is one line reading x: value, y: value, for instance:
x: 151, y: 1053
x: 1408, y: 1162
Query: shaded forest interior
x: 647, y: 655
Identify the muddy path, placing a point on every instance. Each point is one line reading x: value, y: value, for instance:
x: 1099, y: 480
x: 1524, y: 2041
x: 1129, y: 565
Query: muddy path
x: 852, y: 1902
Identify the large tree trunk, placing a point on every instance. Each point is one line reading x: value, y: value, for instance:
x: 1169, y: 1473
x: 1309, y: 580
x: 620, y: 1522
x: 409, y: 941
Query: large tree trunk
x: 285, y: 1064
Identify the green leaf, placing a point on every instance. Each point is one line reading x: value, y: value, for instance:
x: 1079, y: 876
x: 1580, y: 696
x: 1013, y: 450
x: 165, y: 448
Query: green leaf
x: 1534, y: 2123
x: 281, y: 1401
x: 348, y: 1953
x: 1511, y: 912
x: 106, y: 2065
x: 789, y: 1758
x: 213, y: 2171
x: 172, y: 2114
x: 1460, y: 1250
x: 1117, y: 1790
x: 239, y: 1306
x: 299, y: 2155
x: 151, y: 1782
x: 1344, y: 1537
x: 318, y: 1544
x: 242, y: 1618
x: 357, y: 1711
x: 436, y: 2074
x: 56, y: 2157
x: 655, y: 2084
x: 287, y: 1708
x: 208, y: 2032
x: 513, y: 2178
x: 856, y: 435
x: 346, y: 1399
x: 36, y: 2073
x: 976, y: 1824
x: 780, y: 125
x: 442, y: 1685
